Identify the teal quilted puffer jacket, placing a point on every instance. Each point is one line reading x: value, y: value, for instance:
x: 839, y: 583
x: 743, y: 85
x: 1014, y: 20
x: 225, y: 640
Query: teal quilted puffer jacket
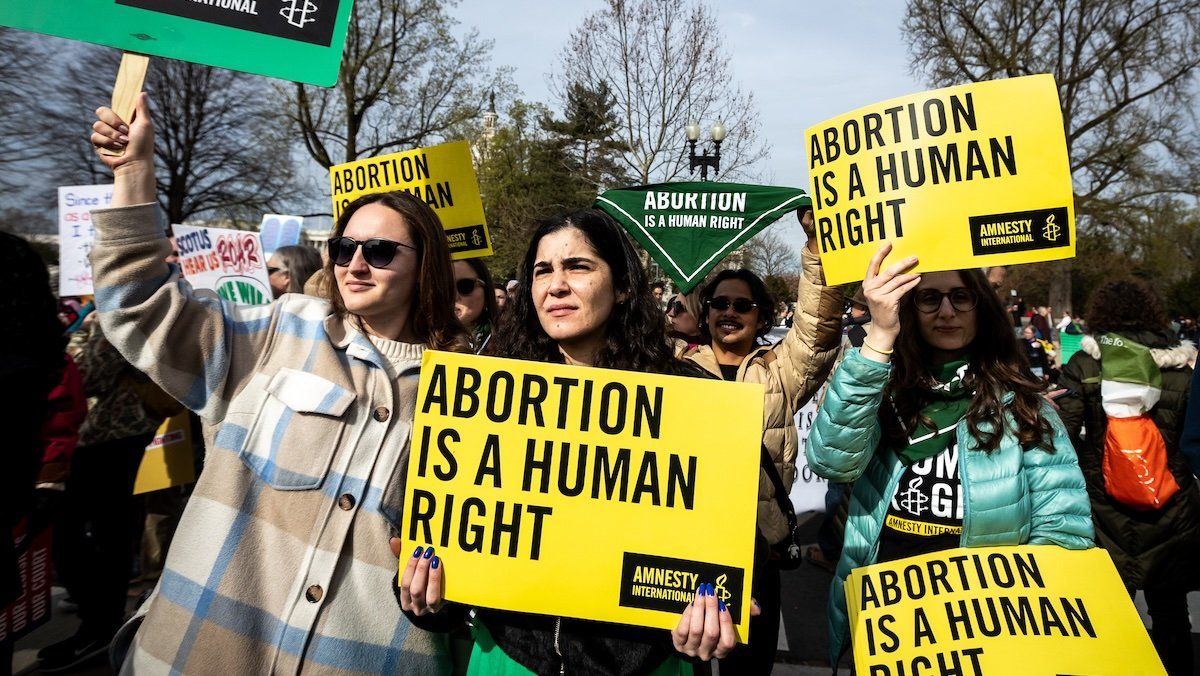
x: 1010, y: 496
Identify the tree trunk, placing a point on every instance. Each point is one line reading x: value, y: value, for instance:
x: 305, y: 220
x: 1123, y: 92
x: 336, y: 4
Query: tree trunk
x: 1060, y: 287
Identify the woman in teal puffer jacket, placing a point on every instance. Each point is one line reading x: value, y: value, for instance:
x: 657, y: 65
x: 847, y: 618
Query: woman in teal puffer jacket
x: 921, y: 434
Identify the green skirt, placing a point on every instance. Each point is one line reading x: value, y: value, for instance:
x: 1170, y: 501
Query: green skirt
x: 487, y: 659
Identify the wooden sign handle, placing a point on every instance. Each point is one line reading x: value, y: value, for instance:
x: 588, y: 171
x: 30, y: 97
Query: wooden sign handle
x: 130, y: 77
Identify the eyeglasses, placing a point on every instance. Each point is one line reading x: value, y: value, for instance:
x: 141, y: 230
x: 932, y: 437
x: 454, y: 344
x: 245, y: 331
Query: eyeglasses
x: 466, y: 286
x: 271, y: 270
x: 676, y: 307
x: 961, y: 299
x: 740, y: 305
x: 378, y: 253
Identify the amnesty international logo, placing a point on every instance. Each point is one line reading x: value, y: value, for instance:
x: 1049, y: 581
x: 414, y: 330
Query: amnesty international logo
x: 299, y: 13
x: 668, y: 584
x: 914, y: 500
x: 1020, y: 231
x: 1051, y: 230
x: 721, y: 591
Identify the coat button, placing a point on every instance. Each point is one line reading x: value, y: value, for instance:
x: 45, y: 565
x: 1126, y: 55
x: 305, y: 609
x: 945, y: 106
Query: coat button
x: 381, y: 414
x: 314, y: 593
x: 346, y: 502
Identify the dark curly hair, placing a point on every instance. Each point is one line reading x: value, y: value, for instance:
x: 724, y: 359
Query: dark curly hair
x: 758, y: 291
x: 998, y: 365
x: 29, y: 327
x: 1125, y: 305
x: 635, y: 339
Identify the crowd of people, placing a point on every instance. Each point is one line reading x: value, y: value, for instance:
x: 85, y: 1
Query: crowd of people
x: 937, y: 391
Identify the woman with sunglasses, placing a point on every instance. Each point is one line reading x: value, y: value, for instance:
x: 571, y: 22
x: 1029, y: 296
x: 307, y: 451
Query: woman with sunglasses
x: 942, y: 427
x: 681, y: 316
x: 584, y: 300
x: 475, y: 303
x: 289, y: 267
x: 282, y: 552
x: 736, y: 310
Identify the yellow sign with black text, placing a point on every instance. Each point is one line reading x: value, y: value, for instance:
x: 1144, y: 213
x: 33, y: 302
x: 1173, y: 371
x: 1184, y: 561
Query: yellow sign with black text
x: 1034, y: 609
x: 442, y: 176
x: 169, y: 460
x: 583, y: 492
x: 967, y: 176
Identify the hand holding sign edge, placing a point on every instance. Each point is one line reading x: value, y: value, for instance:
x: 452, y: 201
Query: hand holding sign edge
x: 421, y: 584
x: 706, y: 629
x: 884, y: 289
x: 133, y: 170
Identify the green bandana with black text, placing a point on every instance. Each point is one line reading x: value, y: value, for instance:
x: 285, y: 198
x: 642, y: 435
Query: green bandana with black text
x: 690, y: 227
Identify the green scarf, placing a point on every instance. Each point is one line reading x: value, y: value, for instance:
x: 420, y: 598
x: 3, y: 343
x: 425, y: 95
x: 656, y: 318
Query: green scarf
x: 951, y: 399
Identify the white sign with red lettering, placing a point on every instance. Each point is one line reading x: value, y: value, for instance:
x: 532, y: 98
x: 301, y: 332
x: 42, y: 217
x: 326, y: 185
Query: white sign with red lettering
x: 230, y: 262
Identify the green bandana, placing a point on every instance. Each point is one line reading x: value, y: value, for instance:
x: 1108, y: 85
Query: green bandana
x: 951, y: 399
x: 689, y: 228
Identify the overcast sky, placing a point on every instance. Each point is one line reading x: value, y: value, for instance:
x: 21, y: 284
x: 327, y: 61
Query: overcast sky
x: 805, y: 61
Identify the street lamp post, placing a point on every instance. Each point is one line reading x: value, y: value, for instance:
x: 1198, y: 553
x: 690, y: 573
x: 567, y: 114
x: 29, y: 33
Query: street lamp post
x: 704, y: 160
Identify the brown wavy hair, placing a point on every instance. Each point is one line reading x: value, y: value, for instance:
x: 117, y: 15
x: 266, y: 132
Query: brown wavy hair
x: 997, y: 365
x: 1124, y: 305
x: 432, y: 316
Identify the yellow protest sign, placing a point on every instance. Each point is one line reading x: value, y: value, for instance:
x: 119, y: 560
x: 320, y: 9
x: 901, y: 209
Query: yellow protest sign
x: 442, y: 176
x: 966, y: 176
x: 591, y: 493
x: 168, y: 460
x: 997, y: 610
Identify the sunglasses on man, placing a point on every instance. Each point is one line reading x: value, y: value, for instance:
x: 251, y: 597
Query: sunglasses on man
x: 740, y: 305
x: 378, y: 253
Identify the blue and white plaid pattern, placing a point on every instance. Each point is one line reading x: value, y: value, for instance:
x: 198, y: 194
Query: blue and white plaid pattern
x: 281, y: 561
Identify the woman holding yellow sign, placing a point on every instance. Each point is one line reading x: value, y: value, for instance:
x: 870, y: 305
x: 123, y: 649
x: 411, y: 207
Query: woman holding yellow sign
x: 281, y: 548
x: 938, y: 421
x: 584, y: 300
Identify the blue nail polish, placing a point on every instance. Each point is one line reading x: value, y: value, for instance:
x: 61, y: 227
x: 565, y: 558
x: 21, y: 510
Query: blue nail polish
x: 700, y: 591
x: 429, y: 552
x: 720, y: 605
x: 435, y: 563
x: 709, y: 590
x: 417, y: 553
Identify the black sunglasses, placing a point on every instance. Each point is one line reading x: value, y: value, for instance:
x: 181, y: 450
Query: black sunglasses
x: 740, y: 305
x: 271, y: 270
x: 676, y: 307
x: 961, y: 298
x: 378, y: 253
x: 466, y: 286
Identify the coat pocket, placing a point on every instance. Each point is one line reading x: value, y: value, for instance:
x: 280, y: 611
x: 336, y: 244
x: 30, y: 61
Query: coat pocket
x: 296, y: 432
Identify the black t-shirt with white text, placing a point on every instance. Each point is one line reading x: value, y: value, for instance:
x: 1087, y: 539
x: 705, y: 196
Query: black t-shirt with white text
x: 926, y: 514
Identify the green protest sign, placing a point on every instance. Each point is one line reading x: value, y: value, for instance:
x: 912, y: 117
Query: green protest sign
x: 299, y: 40
x: 689, y: 227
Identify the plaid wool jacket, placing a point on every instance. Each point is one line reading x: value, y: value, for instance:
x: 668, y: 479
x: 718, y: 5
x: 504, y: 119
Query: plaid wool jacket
x: 281, y: 561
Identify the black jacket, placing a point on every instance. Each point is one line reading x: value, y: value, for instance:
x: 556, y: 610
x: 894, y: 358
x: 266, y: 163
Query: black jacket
x: 1159, y: 548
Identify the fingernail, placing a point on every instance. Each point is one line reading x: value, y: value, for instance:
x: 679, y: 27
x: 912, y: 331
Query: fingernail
x: 755, y: 602
x: 429, y: 552
x: 417, y: 553
x: 721, y: 606
x: 124, y: 138
x: 123, y: 129
x: 709, y: 590
x: 700, y: 591
x: 435, y: 563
